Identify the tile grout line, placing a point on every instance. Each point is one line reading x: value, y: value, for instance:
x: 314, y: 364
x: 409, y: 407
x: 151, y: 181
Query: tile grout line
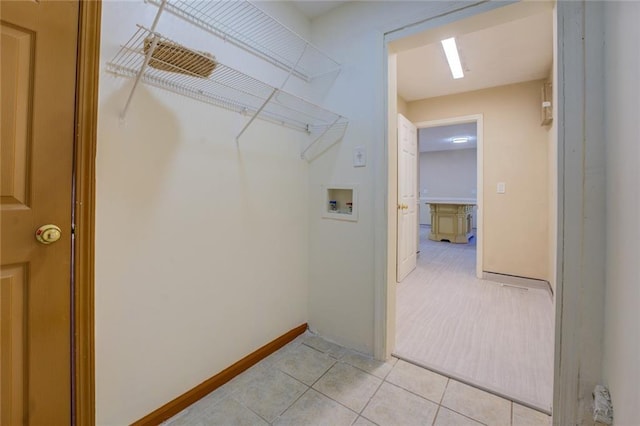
x: 371, y: 397
x: 274, y: 366
x: 309, y: 387
x: 367, y: 372
x: 233, y: 397
x: 291, y: 405
x: 411, y: 392
x: 446, y: 385
x: 449, y: 379
x: 511, y: 417
x: 327, y: 396
x: 340, y: 360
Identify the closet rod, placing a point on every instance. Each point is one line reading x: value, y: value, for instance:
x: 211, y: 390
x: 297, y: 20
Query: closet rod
x: 152, y: 48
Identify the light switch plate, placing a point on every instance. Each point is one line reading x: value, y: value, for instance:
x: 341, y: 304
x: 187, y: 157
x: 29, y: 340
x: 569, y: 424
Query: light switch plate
x: 359, y: 156
x: 502, y: 188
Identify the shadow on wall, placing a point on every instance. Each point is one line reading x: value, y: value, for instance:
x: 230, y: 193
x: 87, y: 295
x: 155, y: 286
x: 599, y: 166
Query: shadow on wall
x: 141, y: 146
x: 143, y: 156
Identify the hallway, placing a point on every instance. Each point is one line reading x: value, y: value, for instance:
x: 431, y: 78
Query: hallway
x: 495, y: 336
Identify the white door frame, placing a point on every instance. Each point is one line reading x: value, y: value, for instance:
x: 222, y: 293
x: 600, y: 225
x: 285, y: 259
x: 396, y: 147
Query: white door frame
x: 478, y: 119
x: 578, y: 333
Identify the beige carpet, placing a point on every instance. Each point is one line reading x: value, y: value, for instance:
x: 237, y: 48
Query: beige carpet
x: 497, y: 337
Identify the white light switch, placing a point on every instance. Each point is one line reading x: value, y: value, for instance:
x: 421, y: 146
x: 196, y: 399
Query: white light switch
x: 359, y: 156
x: 502, y: 188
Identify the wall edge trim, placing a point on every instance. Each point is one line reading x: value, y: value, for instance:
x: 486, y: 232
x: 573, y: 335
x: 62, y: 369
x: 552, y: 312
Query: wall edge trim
x: 178, y: 404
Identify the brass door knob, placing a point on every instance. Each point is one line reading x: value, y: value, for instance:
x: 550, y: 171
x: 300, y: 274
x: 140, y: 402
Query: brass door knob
x: 48, y: 234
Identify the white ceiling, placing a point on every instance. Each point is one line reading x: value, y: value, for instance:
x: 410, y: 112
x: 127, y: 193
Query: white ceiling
x: 439, y: 138
x: 510, y: 52
x: 510, y: 44
x: 314, y: 8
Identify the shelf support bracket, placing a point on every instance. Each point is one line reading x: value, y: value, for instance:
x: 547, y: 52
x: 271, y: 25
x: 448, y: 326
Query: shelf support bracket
x: 147, y: 58
x: 266, y: 102
x: 246, y: 126
x: 302, y: 155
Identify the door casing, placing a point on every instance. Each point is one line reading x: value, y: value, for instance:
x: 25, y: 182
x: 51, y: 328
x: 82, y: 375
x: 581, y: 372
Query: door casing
x: 84, y: 89
x: 86, y: 121
x: 577, y: 279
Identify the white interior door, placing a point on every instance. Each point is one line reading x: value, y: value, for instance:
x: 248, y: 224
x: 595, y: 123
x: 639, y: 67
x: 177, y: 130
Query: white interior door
x: 407, y: 197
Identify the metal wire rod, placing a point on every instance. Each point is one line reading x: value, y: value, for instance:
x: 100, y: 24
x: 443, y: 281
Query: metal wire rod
x: 194, y: 74
x: 268, y: 99
x: 249, y: 27
x: 257, y: 113
x: 318, y: 138
x: 153, y: 46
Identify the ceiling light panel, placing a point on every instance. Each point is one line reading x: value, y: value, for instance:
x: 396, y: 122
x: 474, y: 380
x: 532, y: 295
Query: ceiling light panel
x: 451, y: 51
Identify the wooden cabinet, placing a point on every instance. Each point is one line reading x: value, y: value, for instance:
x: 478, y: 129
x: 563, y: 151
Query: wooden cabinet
x: 451, y: 222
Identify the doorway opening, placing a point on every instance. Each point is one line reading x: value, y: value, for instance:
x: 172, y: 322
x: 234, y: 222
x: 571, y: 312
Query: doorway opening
x: 450, y: 184
x: 495, y: 336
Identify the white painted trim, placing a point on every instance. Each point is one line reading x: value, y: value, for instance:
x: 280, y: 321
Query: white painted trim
x: 570, y: 57
x: 479, y: 120
x: 581, y: 201
x: 380, y: 163
x: 449, y: 121
x: 465, y: 10
x: 517, y: 281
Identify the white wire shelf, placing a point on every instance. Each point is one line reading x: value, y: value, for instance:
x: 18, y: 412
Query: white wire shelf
x: 178, y: 69
x: 245, y: 25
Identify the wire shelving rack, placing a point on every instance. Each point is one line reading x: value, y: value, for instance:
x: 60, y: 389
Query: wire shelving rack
x: 159, y: 61
x: 247, y: 26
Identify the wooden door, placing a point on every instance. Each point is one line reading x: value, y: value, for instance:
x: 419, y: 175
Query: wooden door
x: 407, y: 197
x: 38, y: 48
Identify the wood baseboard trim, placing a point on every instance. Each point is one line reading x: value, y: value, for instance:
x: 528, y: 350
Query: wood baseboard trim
x: 172, y: 408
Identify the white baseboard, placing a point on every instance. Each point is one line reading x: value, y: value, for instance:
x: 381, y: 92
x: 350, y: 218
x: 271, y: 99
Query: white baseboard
x: 517, y: 281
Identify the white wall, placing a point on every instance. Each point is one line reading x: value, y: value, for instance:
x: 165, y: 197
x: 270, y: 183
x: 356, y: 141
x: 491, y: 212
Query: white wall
x: 448, y: 174
x: 201, y: 244
x: 622, y: 310
x: 402, y: 105
x: 552, y: 170
x: 346, y: 260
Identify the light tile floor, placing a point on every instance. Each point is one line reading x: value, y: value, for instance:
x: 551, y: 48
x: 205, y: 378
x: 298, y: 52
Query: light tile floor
x: 314, y: 382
